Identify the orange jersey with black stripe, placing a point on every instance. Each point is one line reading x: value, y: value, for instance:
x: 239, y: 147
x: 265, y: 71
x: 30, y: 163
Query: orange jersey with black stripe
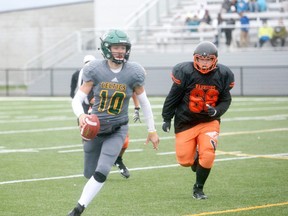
x: 192, y: 91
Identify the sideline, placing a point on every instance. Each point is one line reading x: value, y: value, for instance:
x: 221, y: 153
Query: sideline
x: 240, y: 209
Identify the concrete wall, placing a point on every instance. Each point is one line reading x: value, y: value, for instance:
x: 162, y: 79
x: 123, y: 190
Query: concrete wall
x: 256, y: 73
x: 25, y: 34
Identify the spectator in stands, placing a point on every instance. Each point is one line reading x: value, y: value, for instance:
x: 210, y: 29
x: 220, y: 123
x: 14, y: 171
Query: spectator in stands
x: 264, y: 33
x: 228, y: 6
x: 253, y: 6
x: 205, y: 22
x: 242, y: 6
x: 279, y: 33
x: 187, y: 20
x: 230, y: 26
x: 262, y: 5
x: 244, y: 31
x: 193, y: 23
x: 206, y: 18
x: 202, y: 7
x: 218, y: 24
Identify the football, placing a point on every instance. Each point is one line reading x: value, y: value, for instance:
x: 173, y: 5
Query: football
x: 91, y: 127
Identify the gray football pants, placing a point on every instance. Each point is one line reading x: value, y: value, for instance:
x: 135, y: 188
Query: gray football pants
x: 101, y: 153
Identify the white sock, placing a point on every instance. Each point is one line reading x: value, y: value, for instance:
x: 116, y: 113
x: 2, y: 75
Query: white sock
x: 90, y: 190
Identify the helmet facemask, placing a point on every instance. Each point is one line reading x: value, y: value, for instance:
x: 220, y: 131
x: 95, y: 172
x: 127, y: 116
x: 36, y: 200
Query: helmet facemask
x: 205, y: 57
x: 120, y: 58
x: 205, y: 67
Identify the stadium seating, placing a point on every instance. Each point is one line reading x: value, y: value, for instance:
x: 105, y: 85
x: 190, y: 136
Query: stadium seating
x: 171, y: 30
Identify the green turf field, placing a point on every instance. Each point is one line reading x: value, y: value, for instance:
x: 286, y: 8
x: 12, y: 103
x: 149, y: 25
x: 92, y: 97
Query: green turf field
x: 41, y: 164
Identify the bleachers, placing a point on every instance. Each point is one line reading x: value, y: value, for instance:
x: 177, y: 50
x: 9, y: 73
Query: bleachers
x: 173, y: 31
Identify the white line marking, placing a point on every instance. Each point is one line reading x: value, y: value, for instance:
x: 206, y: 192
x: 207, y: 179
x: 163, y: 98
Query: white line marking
x: 142, y: 140
x: 112, y: 172
x: 38, y: 130
x: 81, y: 150
x: 10, y: 120
x: 253, y: 132
x: 5, y: 151
x: 166, y: 153
x: 76, y: 128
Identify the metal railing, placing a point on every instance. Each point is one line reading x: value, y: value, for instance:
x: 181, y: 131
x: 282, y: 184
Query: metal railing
x: 250, y: 81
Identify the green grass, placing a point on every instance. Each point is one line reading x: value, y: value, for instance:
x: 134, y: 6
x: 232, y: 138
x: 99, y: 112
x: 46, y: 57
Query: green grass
x: 42, y: 162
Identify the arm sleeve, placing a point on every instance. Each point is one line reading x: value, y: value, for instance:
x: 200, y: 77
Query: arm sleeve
x: 77, y: 103
x: 147, y: 111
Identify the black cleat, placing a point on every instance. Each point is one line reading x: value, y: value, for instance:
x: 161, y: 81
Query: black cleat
x: 77, y: 211
x: 123, y: 169
x: 195, y: 164
x: 198, y: 193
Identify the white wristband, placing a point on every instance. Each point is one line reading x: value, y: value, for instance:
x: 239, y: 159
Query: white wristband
x: 147, y: 111
x: 77, y: 103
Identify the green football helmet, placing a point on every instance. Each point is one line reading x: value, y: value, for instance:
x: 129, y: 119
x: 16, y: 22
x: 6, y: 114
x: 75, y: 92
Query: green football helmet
x: 115, y: 37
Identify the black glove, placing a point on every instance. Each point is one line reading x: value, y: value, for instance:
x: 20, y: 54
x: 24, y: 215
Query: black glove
x: 136, y: 116
x: 211, y: 110
x: 166, y: 126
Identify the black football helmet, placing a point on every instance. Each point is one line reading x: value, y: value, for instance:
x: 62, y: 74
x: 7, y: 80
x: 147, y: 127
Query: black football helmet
x: 115, y: 37
x: 205, y: 50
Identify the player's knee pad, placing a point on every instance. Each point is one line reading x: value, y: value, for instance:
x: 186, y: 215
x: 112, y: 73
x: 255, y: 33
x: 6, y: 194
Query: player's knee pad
x: 99, y: 177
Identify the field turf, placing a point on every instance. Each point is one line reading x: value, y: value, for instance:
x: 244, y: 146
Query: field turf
x: 42, y: 163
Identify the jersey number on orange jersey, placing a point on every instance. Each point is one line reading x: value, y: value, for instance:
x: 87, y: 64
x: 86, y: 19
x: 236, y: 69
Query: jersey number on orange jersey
x: 199, y: 98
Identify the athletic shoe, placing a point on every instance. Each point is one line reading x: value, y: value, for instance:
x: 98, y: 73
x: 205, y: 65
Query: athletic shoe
x: 195, y: 164
x: 77, y: 211
x: 198, y: 193
x: 123, y: 169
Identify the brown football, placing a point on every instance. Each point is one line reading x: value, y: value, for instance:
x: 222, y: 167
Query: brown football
x: 91, y: 127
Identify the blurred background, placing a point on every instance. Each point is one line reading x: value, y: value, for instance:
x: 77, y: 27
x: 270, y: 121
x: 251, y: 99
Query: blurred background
x: 43, y: 42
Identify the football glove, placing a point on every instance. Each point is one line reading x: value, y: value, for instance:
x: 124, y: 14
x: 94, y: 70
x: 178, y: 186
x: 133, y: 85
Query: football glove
x: 211, y: 110
x: 136, y: 116
x: 166, y: 126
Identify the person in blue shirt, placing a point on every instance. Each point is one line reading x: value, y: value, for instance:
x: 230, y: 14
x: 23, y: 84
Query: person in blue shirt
x: 244, y: 33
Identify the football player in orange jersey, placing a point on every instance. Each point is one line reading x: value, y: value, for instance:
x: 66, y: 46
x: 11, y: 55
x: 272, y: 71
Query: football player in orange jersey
x: 199, y: 96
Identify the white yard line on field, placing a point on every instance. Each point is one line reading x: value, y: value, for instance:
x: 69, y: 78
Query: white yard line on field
x: 269, y: 118
x: 79, y: 146
x: 112, y: 172
x: 81, y: 150
x: 242, y: 99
